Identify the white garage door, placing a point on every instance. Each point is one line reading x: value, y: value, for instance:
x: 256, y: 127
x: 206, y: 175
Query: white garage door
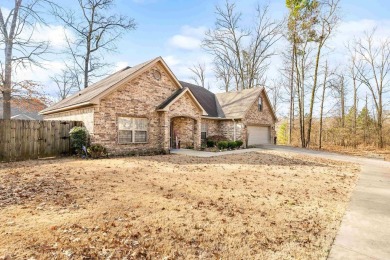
x: 259, y: 135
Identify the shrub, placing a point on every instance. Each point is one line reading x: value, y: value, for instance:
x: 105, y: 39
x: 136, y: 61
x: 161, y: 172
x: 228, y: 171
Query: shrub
x: 210, y: 143
x: 239, y: 143
x: 231, y: 144
x: 97, y: 150
x: 216, y: 138
x: 78, y: 138
x: 222, y: 145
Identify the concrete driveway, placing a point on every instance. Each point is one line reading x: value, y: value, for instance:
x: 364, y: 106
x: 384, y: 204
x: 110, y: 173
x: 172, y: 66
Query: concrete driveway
x: 365, y: 229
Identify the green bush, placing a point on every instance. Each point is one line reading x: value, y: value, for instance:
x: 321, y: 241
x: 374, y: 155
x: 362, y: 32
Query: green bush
x: 239, y: 143
x: 216, y: 138
x: 231, y: 145
x: 96, y: 151
x: 78, y: 138
x: 222, y: 145
x: 210, y: 143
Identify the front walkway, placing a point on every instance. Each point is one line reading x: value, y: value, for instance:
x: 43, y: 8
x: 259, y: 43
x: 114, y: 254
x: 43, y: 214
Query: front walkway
x: 365, y: 229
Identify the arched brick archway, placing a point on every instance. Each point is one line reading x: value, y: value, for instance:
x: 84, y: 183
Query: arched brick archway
x: 184, y: 130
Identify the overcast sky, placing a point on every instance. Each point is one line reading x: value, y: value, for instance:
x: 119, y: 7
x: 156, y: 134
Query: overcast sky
x: 174, y: 30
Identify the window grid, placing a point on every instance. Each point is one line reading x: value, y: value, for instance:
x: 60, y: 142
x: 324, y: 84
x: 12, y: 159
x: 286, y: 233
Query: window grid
x: 260, y: 104
x: 203, y: 133
x: 132, y: 130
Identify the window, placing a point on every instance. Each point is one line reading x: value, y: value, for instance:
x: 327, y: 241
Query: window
x: 132, y: 130
x: 260, y: 104
x: 203, y: 133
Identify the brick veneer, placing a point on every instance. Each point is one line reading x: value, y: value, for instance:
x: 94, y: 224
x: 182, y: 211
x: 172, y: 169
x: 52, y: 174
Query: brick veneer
x: 140, y: 98
x: 260, y: 118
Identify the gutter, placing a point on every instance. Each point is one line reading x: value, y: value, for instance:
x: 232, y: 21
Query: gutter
x: 65, y: 108
x: 220, y: 118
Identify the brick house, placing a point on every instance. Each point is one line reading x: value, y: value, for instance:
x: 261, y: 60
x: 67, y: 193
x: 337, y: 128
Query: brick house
x: 146, y: 107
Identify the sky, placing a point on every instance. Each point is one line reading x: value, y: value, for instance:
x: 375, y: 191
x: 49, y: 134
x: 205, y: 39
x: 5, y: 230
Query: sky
x: 174, y: 29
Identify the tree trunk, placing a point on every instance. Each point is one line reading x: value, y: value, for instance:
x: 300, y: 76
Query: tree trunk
x: 291, y: 97
x: 313, y: 92
x: 322, y: 106
x: 354, y: 113
x: 7, y: 80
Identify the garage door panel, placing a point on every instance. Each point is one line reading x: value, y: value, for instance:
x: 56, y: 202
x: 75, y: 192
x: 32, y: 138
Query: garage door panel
x: 258, y: 135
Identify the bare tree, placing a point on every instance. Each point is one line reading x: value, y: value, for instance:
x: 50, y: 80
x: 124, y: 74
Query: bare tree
x: 324, y: 85
x: 374, y: 73
x: 328, y: 19
x: 96, y: 31
x: 224, y: 73
x: 245, y: 51
x: 354, y: 66
x: 199, y: 71
x: 310, y: 25
x: 17, y: 30
x: 66, y: 82
x: 275, y: 93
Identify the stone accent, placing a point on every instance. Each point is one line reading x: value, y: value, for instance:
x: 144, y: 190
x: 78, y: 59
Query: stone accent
x: 82, y: 114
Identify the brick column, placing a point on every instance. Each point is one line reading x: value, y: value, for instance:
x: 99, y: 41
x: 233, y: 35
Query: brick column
x: 197, y: 133
x: 164, y: 131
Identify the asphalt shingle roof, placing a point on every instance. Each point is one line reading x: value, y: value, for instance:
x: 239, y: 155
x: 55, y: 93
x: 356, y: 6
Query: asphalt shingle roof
x: 221, y: 105
x: 205, y: 98
x: 87, y: 94
x: 236, y: 104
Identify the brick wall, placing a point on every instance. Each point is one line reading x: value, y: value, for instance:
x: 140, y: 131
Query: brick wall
x: 264, y: 117
x: 185, y: 107
x: 183, y: 129
x: 212, y: 126
x: 138, y: 98
x: 226, y: 128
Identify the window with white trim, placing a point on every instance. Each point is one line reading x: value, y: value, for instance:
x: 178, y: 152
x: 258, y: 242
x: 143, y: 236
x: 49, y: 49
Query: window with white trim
x: 132, y: 130
x: 203, y: 133
x: 260, y: 104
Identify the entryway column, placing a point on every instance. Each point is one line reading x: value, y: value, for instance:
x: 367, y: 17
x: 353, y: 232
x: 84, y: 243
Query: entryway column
x: 197, y: 133
x: 164, y: 130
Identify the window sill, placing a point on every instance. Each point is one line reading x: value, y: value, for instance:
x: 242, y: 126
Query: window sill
x: 132, y: 143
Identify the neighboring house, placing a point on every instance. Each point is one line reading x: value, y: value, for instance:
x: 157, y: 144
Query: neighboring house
x: 146, y: 107
x: 24, y: 109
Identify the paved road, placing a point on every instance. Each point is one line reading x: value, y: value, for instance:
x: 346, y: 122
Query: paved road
x: 365, y: 229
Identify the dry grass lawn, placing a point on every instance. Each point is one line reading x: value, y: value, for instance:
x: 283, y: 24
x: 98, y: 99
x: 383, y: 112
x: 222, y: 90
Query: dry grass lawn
x: 259, y: 205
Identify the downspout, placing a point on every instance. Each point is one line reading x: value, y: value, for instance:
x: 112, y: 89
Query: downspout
x: 234, y: 130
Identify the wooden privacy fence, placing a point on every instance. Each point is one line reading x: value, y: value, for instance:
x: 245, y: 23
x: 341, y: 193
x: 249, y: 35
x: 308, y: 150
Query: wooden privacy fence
x: 30, y: 139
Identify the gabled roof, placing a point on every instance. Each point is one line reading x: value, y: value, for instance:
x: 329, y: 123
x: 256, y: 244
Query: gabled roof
x: 236, y: 104
x: 230, y: 105
x: 175, y: 96
x: 205, y: 97
x: 93, y: 93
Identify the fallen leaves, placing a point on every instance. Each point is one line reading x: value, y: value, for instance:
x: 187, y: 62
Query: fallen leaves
x: 259, y: 205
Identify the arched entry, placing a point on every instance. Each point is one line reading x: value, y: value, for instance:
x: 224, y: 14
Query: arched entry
x: 183, y: 132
